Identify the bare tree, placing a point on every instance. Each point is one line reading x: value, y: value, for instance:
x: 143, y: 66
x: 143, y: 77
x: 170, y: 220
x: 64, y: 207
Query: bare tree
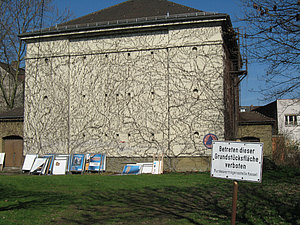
x: 273, y: 37
x: 17, y: 17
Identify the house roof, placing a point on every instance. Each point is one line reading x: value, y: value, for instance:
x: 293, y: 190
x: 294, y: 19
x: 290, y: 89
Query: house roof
x: 133, y: 9
x: 128, y: 13
x: 11, y: 69
x: 14, y: 114
x: 248, y: 108
x: 254, y: 118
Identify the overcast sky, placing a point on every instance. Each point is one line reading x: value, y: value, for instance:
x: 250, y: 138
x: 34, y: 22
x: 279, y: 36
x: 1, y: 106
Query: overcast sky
x: 249, y: 86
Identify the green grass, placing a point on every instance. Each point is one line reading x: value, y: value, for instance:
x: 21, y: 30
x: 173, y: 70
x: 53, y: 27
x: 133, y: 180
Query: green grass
x: 191, y: 198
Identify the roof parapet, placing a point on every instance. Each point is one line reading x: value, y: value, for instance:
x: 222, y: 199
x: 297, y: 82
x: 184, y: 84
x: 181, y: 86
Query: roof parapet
x: 154, y: 19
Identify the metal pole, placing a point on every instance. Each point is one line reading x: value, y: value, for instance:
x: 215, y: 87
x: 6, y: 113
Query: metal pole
x: 234, y: 202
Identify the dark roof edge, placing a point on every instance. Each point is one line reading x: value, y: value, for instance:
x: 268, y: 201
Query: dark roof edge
x: 270, y: 122
x: 127, y: 22
x: 12, y: 119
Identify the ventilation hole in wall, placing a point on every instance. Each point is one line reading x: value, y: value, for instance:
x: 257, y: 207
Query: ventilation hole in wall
x: 194, y: 49
x: 129, y: 94
x: 195, y: 90
x: 105, y: 95
x: 129, y: 135
x: 117, y: 95
x: 45, y: 97
x: 128, y: 54
x: 83, y: 135
x: 46, y: 60
x: 83, y: 96
x: 152, y: 52
x: 196, y: 133
x: 117, y: 135
x: 152, y: 92
x: 105, y: 135
x: 106, y: 56
x: 152, y: 134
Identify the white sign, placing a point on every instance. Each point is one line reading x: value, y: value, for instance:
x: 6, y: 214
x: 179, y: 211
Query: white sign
x: 237, y: 160
x: 156, y: 169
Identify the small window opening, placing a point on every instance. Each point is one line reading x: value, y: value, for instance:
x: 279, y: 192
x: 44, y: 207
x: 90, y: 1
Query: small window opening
x: 292, y: 120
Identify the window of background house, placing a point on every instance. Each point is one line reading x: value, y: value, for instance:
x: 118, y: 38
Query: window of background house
x: 292, y: 120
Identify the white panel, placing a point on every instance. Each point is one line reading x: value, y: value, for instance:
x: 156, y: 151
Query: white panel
x: 39, y: 162
x: 2, y: 155
x: 59, y: 167
x: 28, y: 162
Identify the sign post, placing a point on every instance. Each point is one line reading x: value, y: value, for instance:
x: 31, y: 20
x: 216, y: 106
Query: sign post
x: 236, y: 161
x: 234, y: 202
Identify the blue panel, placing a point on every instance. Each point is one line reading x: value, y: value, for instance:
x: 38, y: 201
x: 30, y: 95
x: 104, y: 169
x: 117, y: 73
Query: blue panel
x: 96, y: 162
x: 77, y: 162
x: 132, y: 169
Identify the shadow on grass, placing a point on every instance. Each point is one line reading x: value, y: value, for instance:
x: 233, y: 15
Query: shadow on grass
x: 271, y: 202
x: 13, y: 199
x: 195, y: 205
x: 156, y: 206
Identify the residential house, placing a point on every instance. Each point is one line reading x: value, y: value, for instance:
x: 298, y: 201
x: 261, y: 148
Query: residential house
x: 140, y: 78
x: 11, y: 137
x: 11, y: 118
x: 286, y: 112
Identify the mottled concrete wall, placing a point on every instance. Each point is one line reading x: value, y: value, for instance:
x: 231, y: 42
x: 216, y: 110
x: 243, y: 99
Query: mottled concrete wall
x: 263, y: 132
x: 182, y: 164
x: 126, y: 95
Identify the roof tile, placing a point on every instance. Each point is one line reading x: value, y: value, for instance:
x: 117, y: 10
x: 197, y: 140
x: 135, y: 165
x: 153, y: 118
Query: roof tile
x: 132, y: 9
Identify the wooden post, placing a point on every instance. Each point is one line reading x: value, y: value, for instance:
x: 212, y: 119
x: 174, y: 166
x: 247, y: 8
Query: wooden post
x: 234, y: 202
x: 162, y: 163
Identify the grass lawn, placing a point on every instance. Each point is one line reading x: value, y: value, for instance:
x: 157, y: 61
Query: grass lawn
x: 191, y: 198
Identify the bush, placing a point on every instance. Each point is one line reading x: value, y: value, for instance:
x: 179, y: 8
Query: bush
x: 286, y: 152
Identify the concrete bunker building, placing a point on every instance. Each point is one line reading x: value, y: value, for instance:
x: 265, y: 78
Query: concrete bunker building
x: 139, y: 78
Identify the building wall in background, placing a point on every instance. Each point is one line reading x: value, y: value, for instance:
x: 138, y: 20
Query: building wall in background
x: 288, y: 116
x: 263, y: 132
